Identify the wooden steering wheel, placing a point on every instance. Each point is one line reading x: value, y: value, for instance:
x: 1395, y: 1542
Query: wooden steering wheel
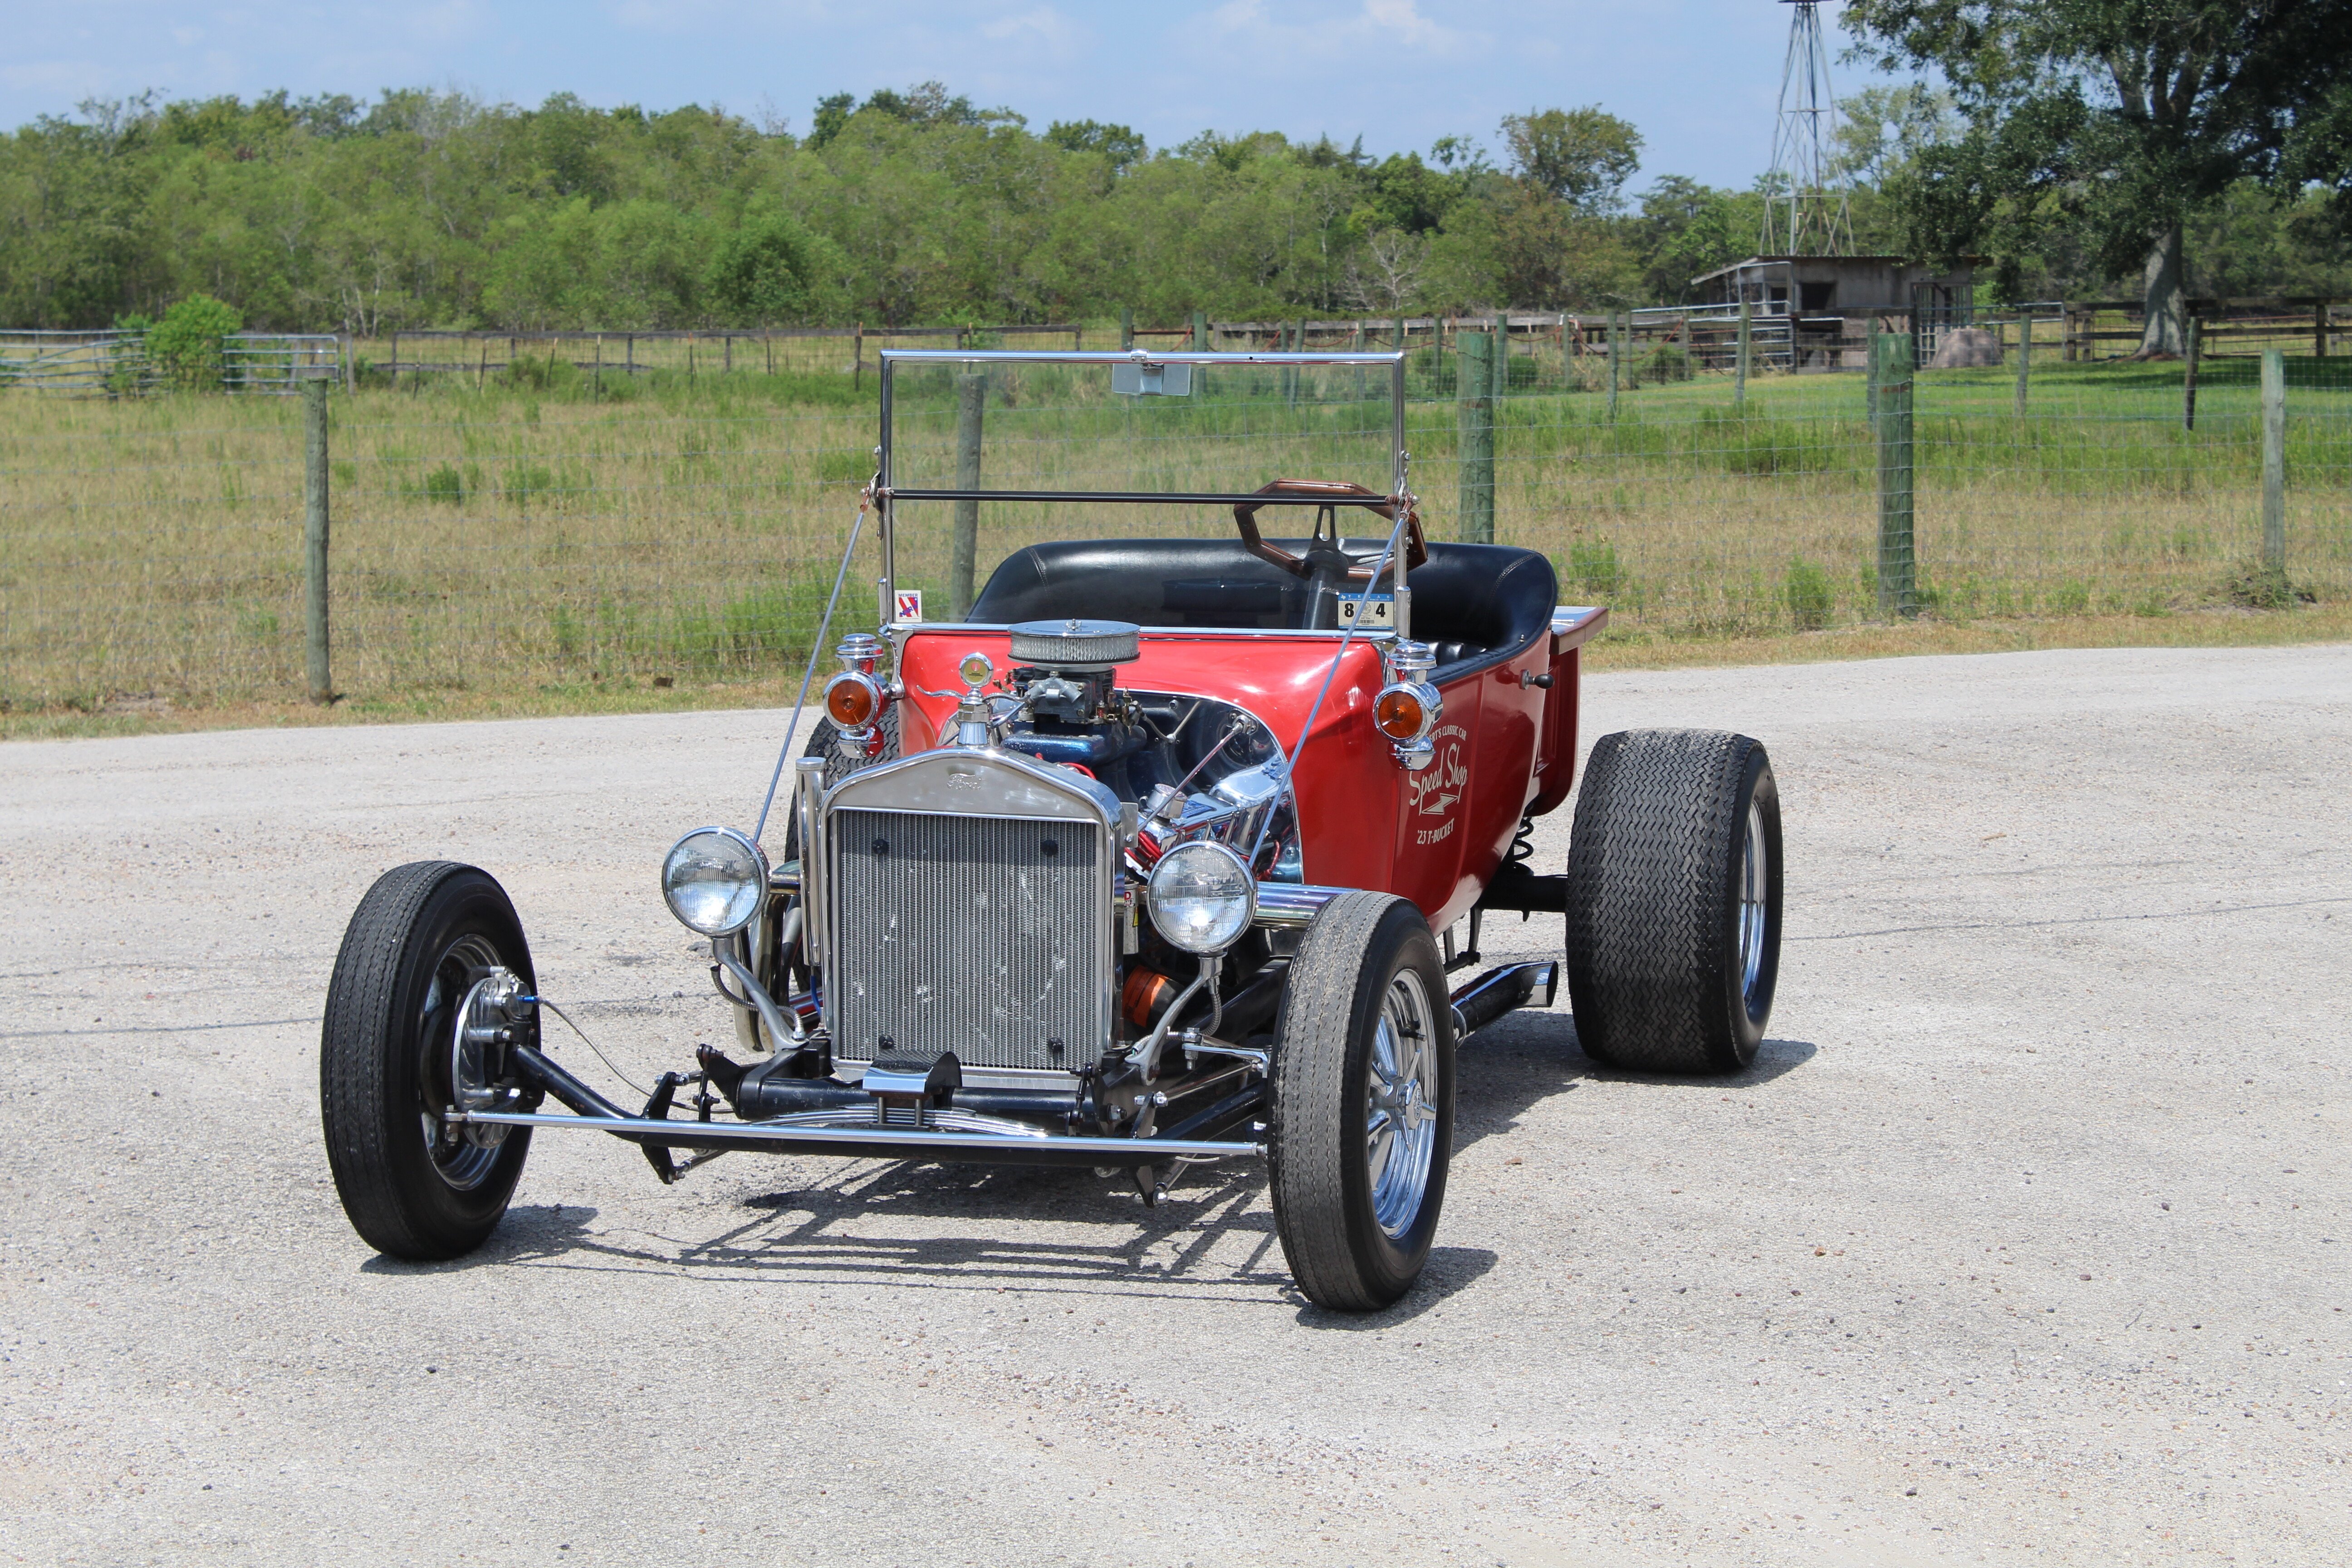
x: 1416, y: 548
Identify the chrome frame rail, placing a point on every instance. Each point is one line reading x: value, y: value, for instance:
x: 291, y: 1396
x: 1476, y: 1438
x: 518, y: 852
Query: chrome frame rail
x: 979, y: 1148
x: 592, y: 1112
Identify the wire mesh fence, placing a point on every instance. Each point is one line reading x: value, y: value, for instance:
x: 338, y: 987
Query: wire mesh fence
x: 117, y: 364
x: 537, y: 530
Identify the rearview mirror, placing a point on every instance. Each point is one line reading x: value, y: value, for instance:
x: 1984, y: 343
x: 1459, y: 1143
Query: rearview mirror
x: 1138, y: 380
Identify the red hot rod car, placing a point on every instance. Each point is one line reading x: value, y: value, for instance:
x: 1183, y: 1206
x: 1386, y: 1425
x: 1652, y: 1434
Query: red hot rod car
x: 1156, y: 856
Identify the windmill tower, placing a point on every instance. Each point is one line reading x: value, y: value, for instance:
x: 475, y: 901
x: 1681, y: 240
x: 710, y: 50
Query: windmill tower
x: 1805, y: 213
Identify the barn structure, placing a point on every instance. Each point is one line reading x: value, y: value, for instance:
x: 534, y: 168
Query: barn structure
x: 1823, y: 302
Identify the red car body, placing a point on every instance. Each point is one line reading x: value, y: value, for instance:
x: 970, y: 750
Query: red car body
x: 1506, y: 745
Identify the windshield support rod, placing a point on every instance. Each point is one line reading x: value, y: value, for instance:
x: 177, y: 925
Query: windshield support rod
x: 1191, y: 498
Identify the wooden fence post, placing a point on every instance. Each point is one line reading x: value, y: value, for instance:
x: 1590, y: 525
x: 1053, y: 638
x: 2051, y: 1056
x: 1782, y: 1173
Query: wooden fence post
x: 1612, y: 333
x: 857, y: 360
x: 1201, y: 331
x: 2319, y: 331
x: 2025, y: 358
x: 314, y: 541
x: 1740, y: 366
x: 963, y: 549
x: 1890, y: 380
x: 2193, y: 351
x: 1126, y: 327
x: 1475, y: 381
x: 2274, y: 466
x: 1502, y: 363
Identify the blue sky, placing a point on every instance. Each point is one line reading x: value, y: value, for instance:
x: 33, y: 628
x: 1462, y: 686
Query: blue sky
x: 1699, y: 78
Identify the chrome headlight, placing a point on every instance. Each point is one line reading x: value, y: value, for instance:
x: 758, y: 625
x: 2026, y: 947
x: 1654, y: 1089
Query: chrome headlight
x: 713, y: 880
x: 1203, y: 897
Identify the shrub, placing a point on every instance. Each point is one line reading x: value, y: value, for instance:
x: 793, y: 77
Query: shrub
x: 1593, y: 566
x: 2266, y: 588
x: 525, y: 481
x: 445, y: 485
x: 187, y: 346
x: 772, y: 270
x: 1666, y: 363
x: 1812, y: 600
x: 542, y: 373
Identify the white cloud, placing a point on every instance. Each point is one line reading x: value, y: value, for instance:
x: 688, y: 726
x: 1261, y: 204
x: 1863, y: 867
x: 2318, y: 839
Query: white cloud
x: 1375, y: 23
x: 1403, y: 19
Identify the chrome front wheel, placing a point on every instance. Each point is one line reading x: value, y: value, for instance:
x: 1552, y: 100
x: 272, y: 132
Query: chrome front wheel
x: 403, y: 1010
x: 1362, y: 1121
x: 1401, y: 1105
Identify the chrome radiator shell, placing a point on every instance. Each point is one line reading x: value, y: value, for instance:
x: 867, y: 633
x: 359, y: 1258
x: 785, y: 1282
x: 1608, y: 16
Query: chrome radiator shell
x: 970, y: 902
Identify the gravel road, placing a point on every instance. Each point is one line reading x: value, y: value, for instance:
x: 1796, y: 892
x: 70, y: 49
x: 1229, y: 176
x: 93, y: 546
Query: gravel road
x: 2026, y: 1239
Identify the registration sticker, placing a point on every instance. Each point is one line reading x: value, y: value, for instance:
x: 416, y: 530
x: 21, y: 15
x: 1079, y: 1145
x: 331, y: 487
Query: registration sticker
x: 1379, y: 612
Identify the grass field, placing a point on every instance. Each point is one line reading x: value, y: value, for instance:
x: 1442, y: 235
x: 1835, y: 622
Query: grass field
x: 542, y: 544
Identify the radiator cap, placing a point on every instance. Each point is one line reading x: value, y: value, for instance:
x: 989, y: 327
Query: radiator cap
x: 1074, y: 643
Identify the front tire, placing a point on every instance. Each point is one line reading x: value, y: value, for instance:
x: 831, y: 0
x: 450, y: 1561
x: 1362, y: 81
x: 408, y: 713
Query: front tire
x: 1674, y: 900
x: 1361, y: 1129
x: 415, y: 1186
x: 824, y: 741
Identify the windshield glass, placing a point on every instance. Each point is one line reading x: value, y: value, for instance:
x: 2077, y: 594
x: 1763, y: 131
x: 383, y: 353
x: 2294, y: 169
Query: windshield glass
x: 1070, y: 447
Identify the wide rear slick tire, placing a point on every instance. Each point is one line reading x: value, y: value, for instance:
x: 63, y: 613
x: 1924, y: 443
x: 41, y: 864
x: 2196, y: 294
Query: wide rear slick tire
x: 1674, y: 900
x: 413, y: 1187
x: 1361, y: 1126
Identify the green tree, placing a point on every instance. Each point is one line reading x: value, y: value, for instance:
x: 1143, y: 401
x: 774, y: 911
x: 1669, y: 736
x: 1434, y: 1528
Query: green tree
x: 1118, y: 145
x: 1580, y: 156
x: 1687, y: 229
x: 2119, y: 117
x: 833, y: 113
x: 189, y: 344
x: 772, y: 270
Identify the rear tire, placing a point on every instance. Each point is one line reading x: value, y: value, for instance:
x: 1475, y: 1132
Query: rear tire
x: 1362, y: 1128
x: 1674, y: 900
x: 415, y: 1188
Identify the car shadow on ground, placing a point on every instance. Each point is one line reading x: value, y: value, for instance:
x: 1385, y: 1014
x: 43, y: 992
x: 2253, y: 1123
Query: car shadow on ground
x: 1524, y: 1058
x: 1044, y: 1229
x: 962, y: 1227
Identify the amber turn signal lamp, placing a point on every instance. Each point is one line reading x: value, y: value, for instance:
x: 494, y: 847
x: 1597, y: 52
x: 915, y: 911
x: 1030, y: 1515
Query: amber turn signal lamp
x: 1145, y: 996
x: 850, y: 701
x: 1399, y: 714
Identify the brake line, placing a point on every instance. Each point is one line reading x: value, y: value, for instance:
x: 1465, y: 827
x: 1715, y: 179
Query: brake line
x: 624, y: 1078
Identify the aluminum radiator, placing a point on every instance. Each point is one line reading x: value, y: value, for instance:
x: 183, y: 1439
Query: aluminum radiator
x: 986, y: 936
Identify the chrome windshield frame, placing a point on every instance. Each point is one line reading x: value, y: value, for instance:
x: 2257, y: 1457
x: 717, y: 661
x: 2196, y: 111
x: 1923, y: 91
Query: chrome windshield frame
x: 1399, y: 499
x: 886, y: 491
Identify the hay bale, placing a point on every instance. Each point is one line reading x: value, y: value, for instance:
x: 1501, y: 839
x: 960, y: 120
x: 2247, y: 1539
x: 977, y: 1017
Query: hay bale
x: 1968, y: 348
